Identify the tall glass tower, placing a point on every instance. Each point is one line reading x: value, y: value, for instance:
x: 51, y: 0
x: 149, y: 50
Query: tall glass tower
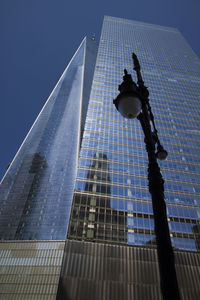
x: 99, y: 195
x: 171, y: 71
x: 37, y: 190
x: 112, y: 205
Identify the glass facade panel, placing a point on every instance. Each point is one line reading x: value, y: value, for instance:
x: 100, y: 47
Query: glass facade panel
x: 111, y: 200
x: 37, y: 190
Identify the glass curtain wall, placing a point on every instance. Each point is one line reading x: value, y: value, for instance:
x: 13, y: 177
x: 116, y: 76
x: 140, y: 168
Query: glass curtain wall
x: 37, y: 190
x: 111, y: 200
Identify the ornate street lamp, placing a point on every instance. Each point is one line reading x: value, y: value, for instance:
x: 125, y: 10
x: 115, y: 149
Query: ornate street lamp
x: 133, y: 102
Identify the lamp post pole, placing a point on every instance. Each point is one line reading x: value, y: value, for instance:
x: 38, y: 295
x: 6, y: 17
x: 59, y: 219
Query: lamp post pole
x: 168, y: 279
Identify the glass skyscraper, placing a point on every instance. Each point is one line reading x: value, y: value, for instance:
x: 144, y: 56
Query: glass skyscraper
x: 37, y: 190
x: 110, y: 247
x: 171, y: 71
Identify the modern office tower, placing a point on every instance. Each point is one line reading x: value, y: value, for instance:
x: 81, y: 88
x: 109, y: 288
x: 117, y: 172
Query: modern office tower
x: 37, y: 189
x: 110, y: 251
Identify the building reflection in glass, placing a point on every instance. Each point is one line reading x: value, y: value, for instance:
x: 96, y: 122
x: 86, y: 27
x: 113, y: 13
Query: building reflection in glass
x: 92, y: 216
x: 108, y: 207
x: 196, y: 231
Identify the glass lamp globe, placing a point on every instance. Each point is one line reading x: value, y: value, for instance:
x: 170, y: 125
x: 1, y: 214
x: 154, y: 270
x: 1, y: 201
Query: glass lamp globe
x: 129, y: 106
x: 161, y: 153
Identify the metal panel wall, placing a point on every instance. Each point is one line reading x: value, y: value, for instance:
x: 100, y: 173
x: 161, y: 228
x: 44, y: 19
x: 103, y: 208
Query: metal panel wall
x: 30, y: 270
x: 105, y: 272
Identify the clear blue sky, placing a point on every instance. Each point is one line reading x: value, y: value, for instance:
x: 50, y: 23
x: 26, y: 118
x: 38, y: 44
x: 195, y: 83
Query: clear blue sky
x: 39, y: 37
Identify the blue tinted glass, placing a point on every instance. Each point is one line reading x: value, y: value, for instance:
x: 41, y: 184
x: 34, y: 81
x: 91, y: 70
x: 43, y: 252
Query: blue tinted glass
x: 37, y: 191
